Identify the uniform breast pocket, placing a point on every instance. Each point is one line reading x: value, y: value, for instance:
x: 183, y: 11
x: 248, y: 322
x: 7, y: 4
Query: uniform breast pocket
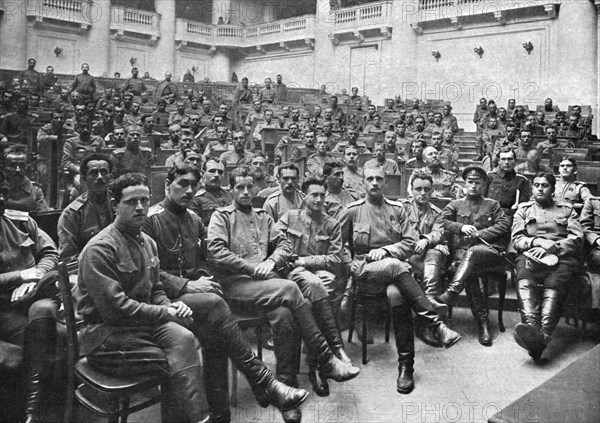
x: 130, y: 274
x: 361, y: 235
x: 295, y: 238
x: 561, y: 225
x: 322, y: 244
x: 464, y: 218
x: 485, y: 221
x: 596, y: 219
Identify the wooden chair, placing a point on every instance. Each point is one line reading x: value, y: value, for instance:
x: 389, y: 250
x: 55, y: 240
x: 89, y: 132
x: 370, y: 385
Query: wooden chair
x: 119, y: 390
x: 366, y: 302
x: 48, y: 222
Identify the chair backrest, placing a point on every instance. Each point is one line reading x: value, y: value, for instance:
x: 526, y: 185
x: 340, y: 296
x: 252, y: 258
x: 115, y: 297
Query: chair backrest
x: 48, y: 222
x: 158, y: 175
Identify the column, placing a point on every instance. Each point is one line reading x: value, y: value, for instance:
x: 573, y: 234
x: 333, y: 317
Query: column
x: 96, y: 49
x: 162, y: 56
x: 13, y: 33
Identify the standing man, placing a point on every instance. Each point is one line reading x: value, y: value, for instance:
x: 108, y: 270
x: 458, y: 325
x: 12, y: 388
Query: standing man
x: 132, y: 157
x: 28, y: 317
x: 472, y: 221
x: 166, y: 87
x: 84, y: 84
x: 316, y: 240
x: 280, y: 95
x: 267, y: 93
x: 242, y: 93
x: 32, y: 76
x: 134, y: 85
x: 179, y: 235
x: 238, y: 239
x: 380, y: 240
x: 548, y: 238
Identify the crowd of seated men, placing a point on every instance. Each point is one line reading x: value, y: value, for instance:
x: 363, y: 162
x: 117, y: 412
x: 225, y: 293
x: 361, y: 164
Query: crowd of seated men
x: 279, y: 230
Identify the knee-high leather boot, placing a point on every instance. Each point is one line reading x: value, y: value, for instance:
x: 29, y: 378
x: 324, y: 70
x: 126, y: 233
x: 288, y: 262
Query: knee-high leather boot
x: 415, y: 296
x: 551, y: 302
x: 267, y: 389
x: 319, y: 383
x: 40, y: 350
x: 431, y: 282
x: 332, y: 367
x: 347, y: 302
x: 480, y: 310
x: 405, y: 344
x: 528, y: 334
x: 464, y: 269
x: 217, y: 384
x: 327, y: 323
x: 183, y: 397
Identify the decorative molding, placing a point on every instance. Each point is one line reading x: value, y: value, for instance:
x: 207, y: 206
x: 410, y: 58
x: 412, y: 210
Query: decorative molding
x: 437, y: 55
x: 179, y: 45
x: 456, y: 23
x: 118, y: 35
x: 334, y: 40
x: 284, y: 46
x: 153, y: 40
x: 550, y: 10
x: 500, y: 17
x: 310, y: 43
x: 417, y: 28
x: 528, y: 47
x: 359, y: 36
x: 386, y: 32
x: 212, y: 50
x: 479, y: 50
x: 261, y: 49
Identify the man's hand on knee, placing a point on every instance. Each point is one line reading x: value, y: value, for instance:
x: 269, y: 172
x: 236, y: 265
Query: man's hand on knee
x: 203, y: 285
x: 263, y: 270
x: 180, y: 313
x: 376, y: 255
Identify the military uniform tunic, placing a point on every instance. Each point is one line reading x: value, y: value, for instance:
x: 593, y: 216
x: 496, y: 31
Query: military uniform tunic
x: 206, y: 202
x: 26, y: 197
x: 126, y: 161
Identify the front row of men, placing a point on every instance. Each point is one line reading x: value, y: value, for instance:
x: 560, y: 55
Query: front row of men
x: 137, y: 312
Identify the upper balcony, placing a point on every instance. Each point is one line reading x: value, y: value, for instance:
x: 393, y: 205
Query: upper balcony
x: 359, y: 22
x: 457, y: 13
x: 130, y: 21
x: 74, y: 12
x: 284, y: 34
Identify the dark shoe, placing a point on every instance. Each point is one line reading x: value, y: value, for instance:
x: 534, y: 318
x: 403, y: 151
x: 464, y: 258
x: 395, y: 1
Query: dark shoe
x: 338, y: 370
x: 427, y: 334
x: 405, y: 383
x: 327, y: 323
x: 319, y: 384
x: 279, y: 395
x: 447, y: 336
x: 449, y: 298
x: 292, y: 416
x: 531, y: 339
x: 440, y: 308
x: 484, y: 335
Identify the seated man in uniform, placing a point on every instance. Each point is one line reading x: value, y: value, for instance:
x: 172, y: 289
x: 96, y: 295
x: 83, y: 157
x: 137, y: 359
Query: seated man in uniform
x: 288, y: 197
x: 548, y: 238
x: 179, y: 235
x: 381, y: 239
x: 212, y: 196
x: 79, y: 146
x: 28, y: 309
x: 239, y: 156
x: 478, y: 226
x: 133, y: 157
x: 547, y: 146
x: 316, y: 161
x: 590, y: 222
x: 23, y: 195
x: 186, y: 144
x: 353, y: 175
x: 533, y: 164
x: 417, y: 147
x: 444, y: 185
x: 447, y: 155
x: 89, y: 213
x: 567, y: 187
x: 333, y: 172
x: 220, y: 145
x: 390, y: 166
x: 238, y: 239
x: 317, y: 245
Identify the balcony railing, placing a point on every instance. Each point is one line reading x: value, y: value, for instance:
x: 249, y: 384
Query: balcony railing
x: 72, y: 11
x: 435, y: 10
x: 300, y: 28
x: 364, y: 16
x: 136, y: 21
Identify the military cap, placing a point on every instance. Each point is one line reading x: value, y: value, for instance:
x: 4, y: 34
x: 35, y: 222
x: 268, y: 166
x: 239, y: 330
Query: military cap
x: 474, y: 171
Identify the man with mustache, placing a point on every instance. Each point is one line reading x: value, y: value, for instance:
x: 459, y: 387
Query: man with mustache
x: 336, y: 191
x: 79, y: 146
x: 133, y: 157
x: 89, y: 213
x: 23, y: 194
x: 248, y: 252
x: 179, y: 234
x: 212, y: 196
x: 353, y: 175
x: 542, y: 228
x: 186, y: 144
x: 379, y: 151
x: 380, y: 239
x: 443, y: 180
x: 288, y: 197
